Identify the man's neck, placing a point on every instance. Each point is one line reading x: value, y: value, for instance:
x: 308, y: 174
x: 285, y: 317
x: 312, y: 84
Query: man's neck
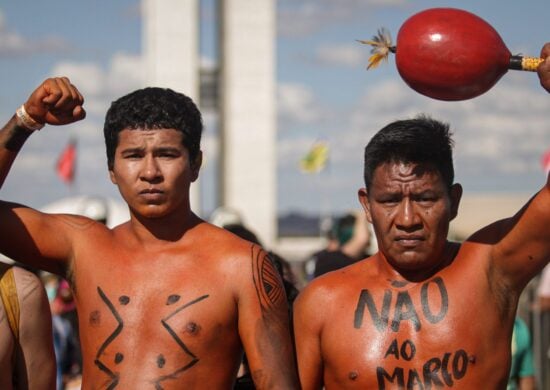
x: 171, y: 228
x: 421, y: 274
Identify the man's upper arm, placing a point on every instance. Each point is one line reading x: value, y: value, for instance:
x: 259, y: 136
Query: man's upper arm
x: 264, y: 324
x: 307, y: 332
x: 37, y: 239
x: 521, y: 244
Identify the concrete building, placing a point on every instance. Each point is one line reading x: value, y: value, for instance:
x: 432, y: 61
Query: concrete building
x: 247, y: 69
x: 171, y: 52
x: 246, y: 85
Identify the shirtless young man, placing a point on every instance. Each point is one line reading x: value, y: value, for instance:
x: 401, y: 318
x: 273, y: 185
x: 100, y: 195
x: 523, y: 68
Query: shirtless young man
x: 165, y: 300
x: 423, y: 312
x: 27, y: 359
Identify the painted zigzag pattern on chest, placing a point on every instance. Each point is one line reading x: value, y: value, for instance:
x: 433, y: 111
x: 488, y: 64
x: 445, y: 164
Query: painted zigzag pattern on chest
x: 108, y: 369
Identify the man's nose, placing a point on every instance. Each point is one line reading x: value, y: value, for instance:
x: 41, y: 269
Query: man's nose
x: 407, y: 215
x: 150, y: 170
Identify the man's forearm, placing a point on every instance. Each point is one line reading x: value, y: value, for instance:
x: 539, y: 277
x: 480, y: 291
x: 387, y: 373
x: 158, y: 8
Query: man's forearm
x: 12, y: 137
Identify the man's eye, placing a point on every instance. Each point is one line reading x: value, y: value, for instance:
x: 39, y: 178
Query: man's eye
x: 426, y: 199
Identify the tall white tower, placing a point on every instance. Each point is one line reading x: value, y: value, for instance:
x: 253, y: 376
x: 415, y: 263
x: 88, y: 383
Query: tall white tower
x: 247, y: 170
x: 171, y: 52
x: 247, y: 102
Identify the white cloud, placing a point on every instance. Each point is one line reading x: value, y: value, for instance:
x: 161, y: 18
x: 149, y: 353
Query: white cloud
x: 125, y: 74
x: 350, y: 55
x: 505, y: 129
x: 296, y: 102
x: 87, y: 77
x: 13, y: 44
x: 98, y: 86
x: 304, y: 17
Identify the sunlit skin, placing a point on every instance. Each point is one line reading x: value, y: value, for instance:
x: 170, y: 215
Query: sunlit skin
x: 422, y: 312
x: 164, y: 300
x: 409, y: 316
x: 153, y: 171
x: 410, y: 208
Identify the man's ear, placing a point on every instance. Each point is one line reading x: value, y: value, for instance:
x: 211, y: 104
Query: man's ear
x: 112, y: 176
x: 363, y: 196
x: 455, y: 195
x: 196, y: 166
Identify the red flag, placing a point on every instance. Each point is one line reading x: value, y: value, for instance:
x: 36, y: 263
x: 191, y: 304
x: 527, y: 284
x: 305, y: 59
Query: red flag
x: 66, y: 163
x: 546, y: 161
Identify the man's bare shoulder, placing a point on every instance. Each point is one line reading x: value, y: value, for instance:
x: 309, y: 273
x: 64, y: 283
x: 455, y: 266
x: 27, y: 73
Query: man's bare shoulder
x: 221, y: 240
x: 337, y: 284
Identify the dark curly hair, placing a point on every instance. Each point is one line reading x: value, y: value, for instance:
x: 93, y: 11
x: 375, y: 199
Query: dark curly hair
x: 421, y: 140
x: 153, y: 108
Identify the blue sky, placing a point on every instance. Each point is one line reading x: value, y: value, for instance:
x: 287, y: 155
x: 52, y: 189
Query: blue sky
x: 323, y: 92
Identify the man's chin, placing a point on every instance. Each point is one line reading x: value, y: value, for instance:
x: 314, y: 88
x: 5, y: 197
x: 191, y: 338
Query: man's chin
x: 151, y: 211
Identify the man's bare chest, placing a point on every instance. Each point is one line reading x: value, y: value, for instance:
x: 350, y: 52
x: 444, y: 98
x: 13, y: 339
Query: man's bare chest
x: 153, y: 317
x: 426, y: 335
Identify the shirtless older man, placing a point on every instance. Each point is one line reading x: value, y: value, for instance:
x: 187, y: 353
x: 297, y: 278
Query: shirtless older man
x: 423, y: 312
x: 165, y: 300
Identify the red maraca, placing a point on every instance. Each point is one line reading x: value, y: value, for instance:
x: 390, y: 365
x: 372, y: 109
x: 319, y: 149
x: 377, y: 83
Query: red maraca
x: 448, y: 54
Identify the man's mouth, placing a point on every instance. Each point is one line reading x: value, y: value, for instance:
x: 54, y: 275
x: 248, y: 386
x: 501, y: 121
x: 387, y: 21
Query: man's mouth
x: 151, y: 191
x: 151, y: 194
x: 409, y: 240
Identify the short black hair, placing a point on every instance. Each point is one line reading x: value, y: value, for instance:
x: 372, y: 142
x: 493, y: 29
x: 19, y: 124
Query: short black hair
x: 422, y: 140
x: 153, y: 108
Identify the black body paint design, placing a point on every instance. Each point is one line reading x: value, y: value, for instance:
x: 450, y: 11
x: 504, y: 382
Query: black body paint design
x: 266, y: 280
x: 103, y: 367
x: 404, y: 309
x: 161, y: 360
x: 172, y: 299
x: 434, y: 318
x: 379, y: 320
x: 17, y: 137
x: 118, y: 358
x: 437, y: 372
x: 399, y: 283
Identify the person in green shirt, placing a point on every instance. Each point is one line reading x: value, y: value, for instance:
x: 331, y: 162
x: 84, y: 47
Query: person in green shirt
x: 522, y: 373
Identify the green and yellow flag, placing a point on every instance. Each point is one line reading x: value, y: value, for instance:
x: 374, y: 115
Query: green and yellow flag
x: 316, y: 159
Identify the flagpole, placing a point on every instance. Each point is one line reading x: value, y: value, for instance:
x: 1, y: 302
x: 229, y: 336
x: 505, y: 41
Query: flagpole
x: 315, y: 162
x: 325, y: 212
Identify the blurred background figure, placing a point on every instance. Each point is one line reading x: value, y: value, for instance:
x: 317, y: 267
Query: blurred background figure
x: 522, y: 372
x: 226, y: 216
x: 27, y: 358
x: 349, y: 241
x: 64, y: 330
x: 543, y: 290
x: 541, y: 329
